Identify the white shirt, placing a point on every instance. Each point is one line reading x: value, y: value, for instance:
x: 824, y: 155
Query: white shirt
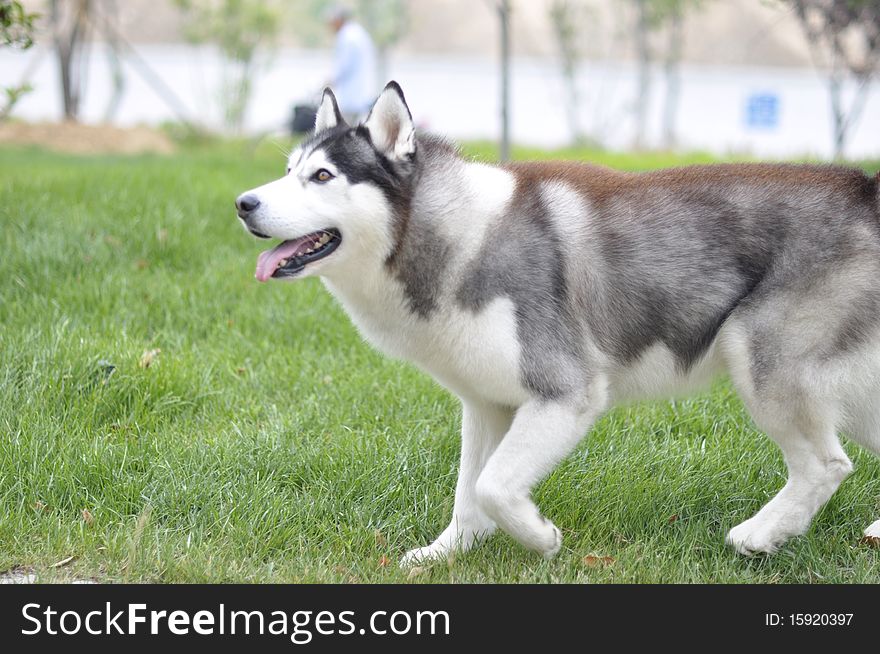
x: 355, y: 69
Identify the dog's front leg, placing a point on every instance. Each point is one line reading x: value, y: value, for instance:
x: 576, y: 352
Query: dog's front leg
x: 542, y: 434
x: 482, y: 428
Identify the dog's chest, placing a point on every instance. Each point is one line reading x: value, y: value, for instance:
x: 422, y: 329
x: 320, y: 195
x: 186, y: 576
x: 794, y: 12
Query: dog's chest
x: 472, y: 354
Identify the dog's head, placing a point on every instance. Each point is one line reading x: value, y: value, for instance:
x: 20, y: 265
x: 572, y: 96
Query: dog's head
x: 339, y: 196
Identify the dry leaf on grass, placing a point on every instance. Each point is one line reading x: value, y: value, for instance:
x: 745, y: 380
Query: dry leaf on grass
x: 148, y: 357
x: 88, y: 517
x: 416, y: 571
x: 63, y: 562
x: 673, y: 518
x: 381, y: 541
x: 592, y: 561
x: 384, y: 561
x: 870, y: 541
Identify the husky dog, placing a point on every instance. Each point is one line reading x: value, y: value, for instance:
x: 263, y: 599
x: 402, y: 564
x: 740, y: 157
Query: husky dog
x: 542, y: 294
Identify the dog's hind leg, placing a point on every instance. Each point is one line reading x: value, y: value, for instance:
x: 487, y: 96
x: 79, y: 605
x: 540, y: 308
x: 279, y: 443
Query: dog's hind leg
x: 542, y: 434
x: 482, y: 428
x: 802, y: 421
x: 816, y: 466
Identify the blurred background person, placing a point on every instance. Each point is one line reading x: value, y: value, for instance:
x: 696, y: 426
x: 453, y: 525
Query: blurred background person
x: 354, y: 64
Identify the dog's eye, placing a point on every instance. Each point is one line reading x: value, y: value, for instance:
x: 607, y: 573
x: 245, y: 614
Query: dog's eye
x: 322, y: 176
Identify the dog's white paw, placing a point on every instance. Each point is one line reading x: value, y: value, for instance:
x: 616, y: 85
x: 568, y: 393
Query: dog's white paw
x: 873, y: 531
x: 555, y: 544
x: 425, y: 554
x: 756, y: 536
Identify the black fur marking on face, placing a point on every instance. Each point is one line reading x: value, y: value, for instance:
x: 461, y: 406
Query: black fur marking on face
x: 355, y: 158
x: 318, y: 139
x: 419, y: 255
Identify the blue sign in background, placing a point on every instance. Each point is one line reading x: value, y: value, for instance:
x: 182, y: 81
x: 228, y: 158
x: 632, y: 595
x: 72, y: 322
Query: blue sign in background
x: 762, y: 111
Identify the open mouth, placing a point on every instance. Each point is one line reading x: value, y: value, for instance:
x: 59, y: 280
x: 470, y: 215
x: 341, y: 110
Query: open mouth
x: 291, y: 257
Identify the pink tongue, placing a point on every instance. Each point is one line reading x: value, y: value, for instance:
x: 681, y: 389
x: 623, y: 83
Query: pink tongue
x: 267, y: 262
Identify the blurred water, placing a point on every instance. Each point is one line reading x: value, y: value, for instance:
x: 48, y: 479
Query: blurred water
x: 458, y: 96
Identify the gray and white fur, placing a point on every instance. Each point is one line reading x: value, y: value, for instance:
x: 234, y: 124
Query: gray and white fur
x: 543, y: 294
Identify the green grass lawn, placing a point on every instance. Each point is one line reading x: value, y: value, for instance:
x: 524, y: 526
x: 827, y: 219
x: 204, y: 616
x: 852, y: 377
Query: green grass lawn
x: 267, y: 443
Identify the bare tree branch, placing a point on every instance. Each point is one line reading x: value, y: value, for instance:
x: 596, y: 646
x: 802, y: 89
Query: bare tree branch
x: 843, y: 37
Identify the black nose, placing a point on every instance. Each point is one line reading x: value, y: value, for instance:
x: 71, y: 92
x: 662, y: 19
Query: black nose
x: 246, y: 203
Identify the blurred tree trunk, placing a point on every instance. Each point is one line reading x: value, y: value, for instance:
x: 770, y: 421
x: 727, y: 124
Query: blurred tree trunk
x: 673, y: 75
x: 504, y: 20
x: 563, y: 16
x: 643, y: 89
x: 844, y: 38
x: 114, y: 54
x: 70, y: 22
x: 651, y: 17
x: 844, y: 119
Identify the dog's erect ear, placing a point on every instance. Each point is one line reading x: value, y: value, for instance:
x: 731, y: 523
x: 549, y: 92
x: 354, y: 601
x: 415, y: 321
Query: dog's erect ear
x: 391, y: 125
x: 328, y: 115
